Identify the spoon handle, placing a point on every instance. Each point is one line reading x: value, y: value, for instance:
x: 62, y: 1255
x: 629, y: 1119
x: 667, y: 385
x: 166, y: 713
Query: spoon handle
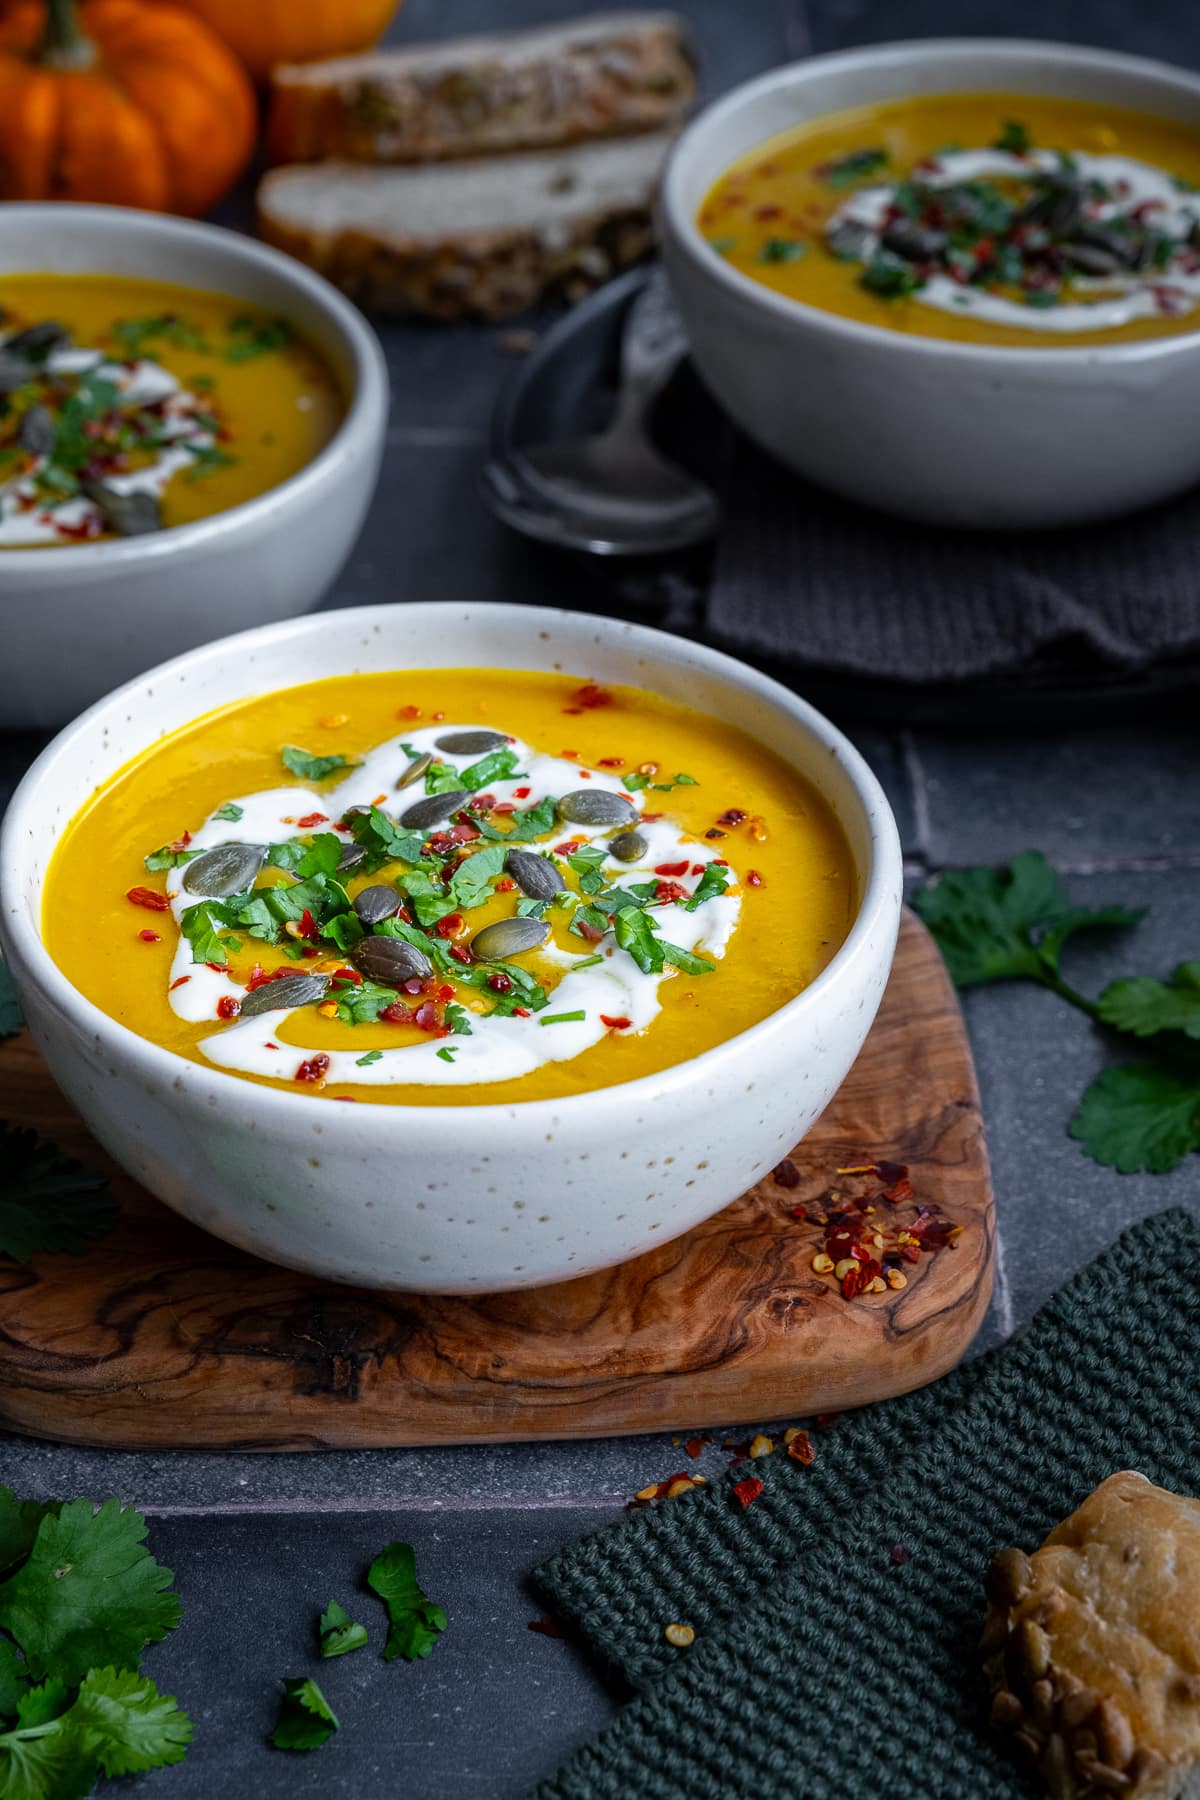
x: 652, y: 344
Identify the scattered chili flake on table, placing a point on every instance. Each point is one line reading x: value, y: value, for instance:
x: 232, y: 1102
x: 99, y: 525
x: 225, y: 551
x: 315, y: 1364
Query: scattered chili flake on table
x: 787, y: 1174
x: 748, y: 1490
x: 899, y: 1555
x: 147, y: 897
x: 799, y: 1446
x: 546, y: 1627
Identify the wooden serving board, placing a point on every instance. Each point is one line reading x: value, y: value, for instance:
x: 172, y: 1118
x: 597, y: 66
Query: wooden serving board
x: 163, y: 1337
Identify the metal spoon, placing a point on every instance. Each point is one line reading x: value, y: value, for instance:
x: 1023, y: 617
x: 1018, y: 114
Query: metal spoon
x: 613, y: 494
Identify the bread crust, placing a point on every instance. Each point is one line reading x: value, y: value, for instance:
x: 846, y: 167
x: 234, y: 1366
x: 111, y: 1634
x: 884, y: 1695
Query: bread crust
x: 1093, y: 1645
x: 518, y: 92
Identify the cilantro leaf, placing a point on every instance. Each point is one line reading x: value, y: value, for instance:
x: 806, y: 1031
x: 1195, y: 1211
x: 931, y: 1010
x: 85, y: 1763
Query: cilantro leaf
x: 524, y: 827
x: 202, y: 925
x: 168, y: 858
x: 12, y: 1019
x: 714, y: 881
x: 415, y: 1619
x: 45, y: 1762
x: 322, y: 857
x: 19, y: 1521
x: 48, y: 1201
x: 1000, y: 925
x: 89, y: 1593
x: 685, y: 960
x: 250, y: 337
x: 47, y: 1701
x: 307, y: 767
x: 363, y: 1003
x: 498, y: 765
x: 230, y: 813
x: 1014, y: 138
x: 470, y: 884
x: 127, y: 1724
x: 306, y: 1719
x: 458, y: 1019
x: 1140, y: 1115
x: 336, y: 1629
x: 1145, y: 1006
x: 383, y: 841
x: 12, y: 1681
x: 364, y: 1062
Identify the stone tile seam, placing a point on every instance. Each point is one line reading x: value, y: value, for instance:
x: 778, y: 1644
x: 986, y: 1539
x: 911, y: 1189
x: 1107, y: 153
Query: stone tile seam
x: 918, y: 786
x: 434, y: 437
x: 1149, y: 863
x: 403, y: 1503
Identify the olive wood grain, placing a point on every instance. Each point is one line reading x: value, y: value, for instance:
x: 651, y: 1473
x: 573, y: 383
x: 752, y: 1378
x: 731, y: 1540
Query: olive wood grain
x: 160, y: 1336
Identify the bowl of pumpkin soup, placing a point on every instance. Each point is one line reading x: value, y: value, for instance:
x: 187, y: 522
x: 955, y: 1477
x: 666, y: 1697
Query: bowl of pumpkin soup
x: 958, y: 280
x: 190, y: 432
x: 450, y: 948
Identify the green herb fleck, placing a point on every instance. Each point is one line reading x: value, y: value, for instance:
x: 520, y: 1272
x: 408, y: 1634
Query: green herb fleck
x: 336, y: 1630
x: 567, y: 1018
x: 448, y: 1052
x: 251, y: 337
x: 1014, y: 137
x: 306, y: 1719
x: 890, y: 276
x: 307, y: 767
x: 415, y: 1619
x: 781, y: 250
x: 230, y: 813
x: 364, y: 1062
x: 722, y: 245
x: 857, y: 165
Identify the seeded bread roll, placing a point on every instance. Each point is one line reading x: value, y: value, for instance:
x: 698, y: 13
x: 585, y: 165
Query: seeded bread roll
x: 1093, y: 1646
x: 468, y: 239
x: 604, y: 76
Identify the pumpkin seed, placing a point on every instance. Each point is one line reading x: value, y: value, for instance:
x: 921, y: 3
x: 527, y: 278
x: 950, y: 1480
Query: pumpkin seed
x: 284, y: 994
x: 508, y: 938
x: 129, y: 515
x: 391, y: 961
x: 375, y: 904
x: 628, y: 847
x: 534, y: 875
x: 433, y: 809
x: 596, y: 806
x: 350, y: 858
x: 229, y: 869
x: 415, y: 770
x: 36, y: 342
x: 471, y: 743
x: 37, y: 431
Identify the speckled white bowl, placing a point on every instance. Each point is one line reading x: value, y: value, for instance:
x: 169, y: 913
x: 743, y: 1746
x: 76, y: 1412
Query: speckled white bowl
x: 946, y: 432
x: 476, y: 1198
x: 80, y: 620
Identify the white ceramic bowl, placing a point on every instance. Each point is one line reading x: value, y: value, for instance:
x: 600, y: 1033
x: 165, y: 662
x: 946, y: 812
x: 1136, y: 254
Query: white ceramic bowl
x: 80, y: 620
x: 432, y: 1198
x: 950, y: 433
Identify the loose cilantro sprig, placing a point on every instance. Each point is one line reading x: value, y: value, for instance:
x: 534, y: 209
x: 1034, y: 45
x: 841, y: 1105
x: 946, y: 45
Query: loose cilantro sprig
x: 48, y: 1201
x: 415, y: 1620
x: 306, y: 1719
x: 1013, y: 924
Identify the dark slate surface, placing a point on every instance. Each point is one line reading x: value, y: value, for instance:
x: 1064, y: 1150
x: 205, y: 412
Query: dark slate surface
x: 260, y: 1544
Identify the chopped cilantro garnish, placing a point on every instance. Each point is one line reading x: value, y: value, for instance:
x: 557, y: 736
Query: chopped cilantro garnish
x: 1014, y: 137
x: 48, y: 1201
x: 855, y: 166
x: 250, y: 337
x: 415, y: 1620
x: 307, y: 767
x: 714, y: 881
x: 448, y: 1052
x: 890, y: 276
x: 781, y: 250
x: 458, y: 1019
x: 361, y: 1003
x: 306, y: 1719
x: 135, y: 335
x: 587, y: 962
x: 524, y: 827
x: 202, y: 925
x: 230, y: 813
x: 634, y: 782
x: 499, y: 765
x: 364, y: 1062
x: 567, y: 1018
x: 1039, y: 297
x: 722, y: 245
x: 168, y: 858
x: 206, y: 460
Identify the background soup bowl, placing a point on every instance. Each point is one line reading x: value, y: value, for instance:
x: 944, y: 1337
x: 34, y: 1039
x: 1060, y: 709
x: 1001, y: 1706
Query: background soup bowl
x: 80, y: 620
x: 946, y: 432
x: 426, y: 1198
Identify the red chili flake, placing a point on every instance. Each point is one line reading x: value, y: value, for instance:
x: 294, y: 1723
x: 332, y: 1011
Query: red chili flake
x: 588, y: 932
x: 698, y: 868
x: 500, y: 983
x: 149, y: 937
x: 179, y: 983
x: 522, y: 1012
x: 228, y: 1007
x: 547, y: 1626
x: 315, y: 1069
x: 437, y: 717
x: 748, y: 1490
x: 217, y: 968
x: 260, y: 977
x: 571, y: 755
x: 801, y: 1449
x: 311, y: 819
x: 611, y: 762
x: 409, y: 712
x: 181, y: 843
x: 853, y: 1282
x: 666, y: 892
x: 733, y: 816
x: 649, y: 818
x: 428, y: 1018
x: 505, y: 885
x: 504, y: 807
x: 397, y: 1013
x: 620, y: 1023
x: 445, y: 992
x: 712, y: 832
x: 308, y: 925
x: 460, y: 953
x: 787, y: 1174
x: 801, y: 1213
x: 590, y: 696
x: 567, y: 847
x: 521, y: 793
x: 451, y: 925
x: 270, y: 1046
x: 899, y: 1555
x: 754, y: 879
x: 483, y: 803
x: 694, y: 1446
x: 676, y: 868
x: 147, y: 897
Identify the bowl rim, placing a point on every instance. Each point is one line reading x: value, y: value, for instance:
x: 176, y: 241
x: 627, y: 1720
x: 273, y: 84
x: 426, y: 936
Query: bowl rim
x: 366, y: 401
x: 902, y: 53
x: 881, y: 890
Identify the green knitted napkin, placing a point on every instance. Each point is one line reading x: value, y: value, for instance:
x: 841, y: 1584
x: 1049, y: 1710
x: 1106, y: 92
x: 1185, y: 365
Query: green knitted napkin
x: 837, y: 1617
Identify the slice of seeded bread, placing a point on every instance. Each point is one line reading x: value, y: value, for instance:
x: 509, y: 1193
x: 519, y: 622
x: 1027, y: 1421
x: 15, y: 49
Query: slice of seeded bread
x: 467, y: 240
x: 610, y: 75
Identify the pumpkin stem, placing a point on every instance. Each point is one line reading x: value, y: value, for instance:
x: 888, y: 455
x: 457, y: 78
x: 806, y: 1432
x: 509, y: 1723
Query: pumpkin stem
x: 64, y: 45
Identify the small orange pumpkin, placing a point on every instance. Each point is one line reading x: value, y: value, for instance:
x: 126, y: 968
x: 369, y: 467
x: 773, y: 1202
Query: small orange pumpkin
x: 266, y: 32
x: 120, y: 101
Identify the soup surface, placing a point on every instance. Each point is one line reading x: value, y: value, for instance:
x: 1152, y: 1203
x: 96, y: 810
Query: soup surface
x: 129, y: 406
x: 294, y: 888
x: 1001, y: 219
